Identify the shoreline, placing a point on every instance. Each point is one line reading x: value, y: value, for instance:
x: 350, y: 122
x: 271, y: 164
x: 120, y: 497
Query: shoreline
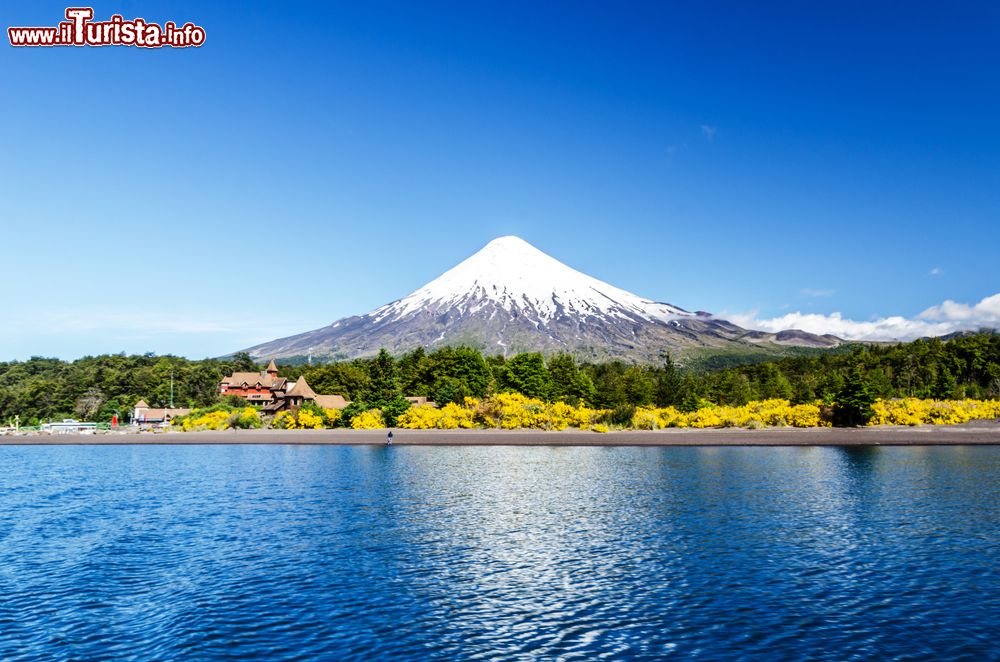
x: 977, y: 433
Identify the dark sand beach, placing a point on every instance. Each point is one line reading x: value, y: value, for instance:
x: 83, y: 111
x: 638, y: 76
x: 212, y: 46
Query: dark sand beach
x: 979, y: 432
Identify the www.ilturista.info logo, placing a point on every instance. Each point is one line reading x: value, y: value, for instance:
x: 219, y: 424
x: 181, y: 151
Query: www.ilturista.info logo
x: 81, y: 30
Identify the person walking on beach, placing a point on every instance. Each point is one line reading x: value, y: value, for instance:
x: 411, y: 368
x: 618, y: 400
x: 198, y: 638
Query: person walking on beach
x: 388, y: 439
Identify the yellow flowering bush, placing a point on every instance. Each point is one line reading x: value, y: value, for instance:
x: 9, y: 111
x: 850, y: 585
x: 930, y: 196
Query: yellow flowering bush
x: 309, y: 421
x: 214, y: 420
x: 907, y: 411
x: 914, y: 411
x: 806, y: 416
x: 331, y: 416
x: 306, y: 419
x: 508, y: 411
x: 707, y: 417
x: 756, y: 414
x: 513, y: 411
x: 368, y: 420
x: 449, y: 417
x: 652, y: 418
x: 422, y: 417
x: 454, y: 416
x: 219, y: 418
x: 285, y: 420
x: 247, y: 418
x: 290, y: 420
x: 562, y: 416
x: 770, y: 413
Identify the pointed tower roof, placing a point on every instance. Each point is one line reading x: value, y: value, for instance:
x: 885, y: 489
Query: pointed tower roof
x: 302, y: 390
x: 141, y: 405
x: 271, y: 367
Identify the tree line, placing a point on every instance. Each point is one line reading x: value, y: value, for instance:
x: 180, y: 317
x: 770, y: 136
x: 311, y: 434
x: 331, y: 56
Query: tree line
x: 97, y: 387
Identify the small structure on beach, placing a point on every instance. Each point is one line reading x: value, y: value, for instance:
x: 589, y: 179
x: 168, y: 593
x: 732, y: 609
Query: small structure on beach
x: 68, y: 426
x: 142, y: 413
x: 419, y: 401
x: 331, y: 401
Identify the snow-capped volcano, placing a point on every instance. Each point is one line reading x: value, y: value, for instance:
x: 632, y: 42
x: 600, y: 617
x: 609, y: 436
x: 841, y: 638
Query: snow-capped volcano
x: 514, y: 276
x: 512, y: 297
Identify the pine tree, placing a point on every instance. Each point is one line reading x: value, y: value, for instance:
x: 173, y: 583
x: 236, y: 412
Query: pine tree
x: 669, y: 383
x: 945, y: 384
x: 384, y: 376
x: 526, y: 374
x: 853, y: 403
x: 568, y: 383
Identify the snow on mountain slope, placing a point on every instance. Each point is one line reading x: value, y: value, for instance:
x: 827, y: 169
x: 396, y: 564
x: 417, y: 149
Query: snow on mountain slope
x: 514, y: 275
x: 511, y: 297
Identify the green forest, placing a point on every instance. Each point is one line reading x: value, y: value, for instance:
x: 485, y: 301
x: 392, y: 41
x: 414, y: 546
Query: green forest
x: 94, y: 388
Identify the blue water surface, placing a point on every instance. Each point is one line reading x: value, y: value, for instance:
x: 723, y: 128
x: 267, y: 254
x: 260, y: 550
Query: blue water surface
x: 339, y: 553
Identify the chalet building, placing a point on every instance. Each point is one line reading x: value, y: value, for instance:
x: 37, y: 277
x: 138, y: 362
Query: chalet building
x: 294, y: 397
x: 256, y: 387
x: 144, y: 414
x: 298, y: 393
x: 275, y: 393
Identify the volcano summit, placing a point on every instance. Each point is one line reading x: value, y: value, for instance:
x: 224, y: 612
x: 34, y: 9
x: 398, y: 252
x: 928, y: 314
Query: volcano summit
x: 511, y: 297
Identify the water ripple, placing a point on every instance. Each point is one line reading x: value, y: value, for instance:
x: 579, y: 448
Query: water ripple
x: 340, y: 553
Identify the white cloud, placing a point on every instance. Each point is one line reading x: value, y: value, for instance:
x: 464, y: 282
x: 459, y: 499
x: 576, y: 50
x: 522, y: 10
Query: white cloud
x: 986, y: 312
x: 709, y: 131
x: 811, y: 292
x: 936, y: 271
x: 947, y: 317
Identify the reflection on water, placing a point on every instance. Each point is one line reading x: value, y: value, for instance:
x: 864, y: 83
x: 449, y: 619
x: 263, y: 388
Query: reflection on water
x: 311, y: 552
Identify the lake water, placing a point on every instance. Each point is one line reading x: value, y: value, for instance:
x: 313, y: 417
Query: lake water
x: 307, y: 552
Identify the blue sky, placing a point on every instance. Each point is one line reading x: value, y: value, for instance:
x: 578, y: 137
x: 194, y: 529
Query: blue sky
x: 316, y: 160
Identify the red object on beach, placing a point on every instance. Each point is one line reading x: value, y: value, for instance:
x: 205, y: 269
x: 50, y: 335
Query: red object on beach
x: 114, y: 420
